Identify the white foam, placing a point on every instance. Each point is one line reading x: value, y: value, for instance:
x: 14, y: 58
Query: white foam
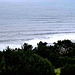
x: 48, y: 38
x: 52, y: 38
x: 12, y: 46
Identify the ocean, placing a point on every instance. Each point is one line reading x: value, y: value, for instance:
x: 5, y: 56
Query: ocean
x: 22, y: 23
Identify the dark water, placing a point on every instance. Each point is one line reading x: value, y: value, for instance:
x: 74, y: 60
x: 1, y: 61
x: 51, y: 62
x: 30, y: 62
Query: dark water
x: 21, y: 23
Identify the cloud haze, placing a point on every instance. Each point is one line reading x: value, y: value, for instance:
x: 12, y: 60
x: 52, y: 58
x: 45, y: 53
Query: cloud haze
x: 59, y: 3
x: 36, y: 0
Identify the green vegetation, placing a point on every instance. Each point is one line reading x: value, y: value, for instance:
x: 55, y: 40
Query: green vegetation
x: 42, y: 60
x: 58, y: 71
x: 68, y: 70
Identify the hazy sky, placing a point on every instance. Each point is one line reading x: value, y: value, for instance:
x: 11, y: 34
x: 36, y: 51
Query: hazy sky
x: 40, y: 0
x: 62, y: 3
x: 45, y: 1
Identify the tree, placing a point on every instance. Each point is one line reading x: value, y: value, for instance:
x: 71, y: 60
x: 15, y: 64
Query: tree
x: 64, y: 47
x: 35, y: 65
x: 26, y: 47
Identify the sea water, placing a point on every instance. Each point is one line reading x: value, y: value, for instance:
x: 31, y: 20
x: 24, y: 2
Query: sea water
x: 22, y: 23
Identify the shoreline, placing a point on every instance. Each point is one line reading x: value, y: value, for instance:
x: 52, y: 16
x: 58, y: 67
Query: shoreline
x: 49, y: 39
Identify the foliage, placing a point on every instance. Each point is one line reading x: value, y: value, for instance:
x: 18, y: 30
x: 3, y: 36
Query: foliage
x: 60, y: 54
x: 68, y: 70
x: 34, y: 64
x: 48, y: 52
x: 57, y: 71
x: 23, y: 61
x: 26, y: 47
x: 65, y: 47
x: 37, y: 61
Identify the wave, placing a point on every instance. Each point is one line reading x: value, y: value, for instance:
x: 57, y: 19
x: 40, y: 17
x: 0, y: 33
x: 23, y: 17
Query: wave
x: 50, y: 39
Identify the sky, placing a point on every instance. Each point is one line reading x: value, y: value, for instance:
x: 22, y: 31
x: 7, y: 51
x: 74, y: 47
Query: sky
x: 46, y: 1
x: 41, y: 1
x: 62, y: 3
x: 38, y: 0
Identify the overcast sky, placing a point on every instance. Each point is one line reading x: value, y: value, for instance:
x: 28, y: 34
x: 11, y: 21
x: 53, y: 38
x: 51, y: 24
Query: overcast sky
x: 63, y: 3
x: 43, y: 1
x: 39, y: 0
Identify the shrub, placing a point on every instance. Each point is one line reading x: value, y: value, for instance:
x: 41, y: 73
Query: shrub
x: 35, y: 65
x: 62, y: 61
x: 68, y: 70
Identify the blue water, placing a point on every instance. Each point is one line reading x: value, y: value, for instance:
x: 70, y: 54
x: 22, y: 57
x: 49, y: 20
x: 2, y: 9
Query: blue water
x: 20, y: 22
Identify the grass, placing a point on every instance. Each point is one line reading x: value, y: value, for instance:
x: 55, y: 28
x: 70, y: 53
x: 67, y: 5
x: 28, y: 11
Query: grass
x: 57, y: 71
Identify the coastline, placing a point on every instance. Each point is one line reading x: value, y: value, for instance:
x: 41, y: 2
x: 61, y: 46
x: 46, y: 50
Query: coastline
x: 50, y: 39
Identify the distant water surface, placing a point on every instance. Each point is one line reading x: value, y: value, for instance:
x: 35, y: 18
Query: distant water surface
x: 20, y: 23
